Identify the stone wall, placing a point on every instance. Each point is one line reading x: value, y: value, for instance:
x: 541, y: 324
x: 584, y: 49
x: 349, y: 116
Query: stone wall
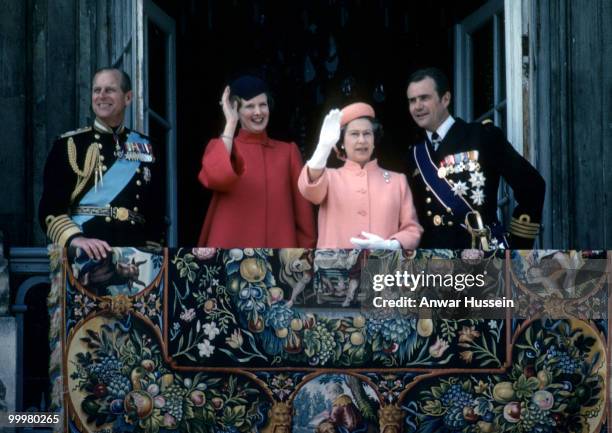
x: 8, y: 341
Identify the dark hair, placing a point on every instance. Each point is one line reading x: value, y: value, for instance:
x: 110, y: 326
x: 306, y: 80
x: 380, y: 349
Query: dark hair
x: 238, y: 99
x: 125, y: 83
x: 436, y: 75
x: 377, y: 129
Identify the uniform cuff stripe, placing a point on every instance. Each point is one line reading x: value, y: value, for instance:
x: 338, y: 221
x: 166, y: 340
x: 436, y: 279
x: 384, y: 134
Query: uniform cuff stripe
x: 524, y: 229
x: 67, y: 234
x: 61, y: 228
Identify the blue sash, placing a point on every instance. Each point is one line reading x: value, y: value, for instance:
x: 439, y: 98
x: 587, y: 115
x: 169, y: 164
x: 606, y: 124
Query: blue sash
x: 443, y: 191
x: 114, y: 181
x: 439, y: 186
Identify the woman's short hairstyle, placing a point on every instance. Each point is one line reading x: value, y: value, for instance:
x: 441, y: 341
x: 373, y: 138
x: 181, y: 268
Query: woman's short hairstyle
x: 239, y: 100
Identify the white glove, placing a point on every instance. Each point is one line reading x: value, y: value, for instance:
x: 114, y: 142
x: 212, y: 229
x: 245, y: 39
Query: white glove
x: 375, y: 242
x: 330, y: 134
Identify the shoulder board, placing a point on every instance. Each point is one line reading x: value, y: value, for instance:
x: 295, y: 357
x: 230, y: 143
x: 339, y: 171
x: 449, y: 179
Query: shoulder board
x: 75, y: 132
x: 488, y: 126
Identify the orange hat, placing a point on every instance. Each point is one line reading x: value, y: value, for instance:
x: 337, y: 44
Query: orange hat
x: 355, y: 111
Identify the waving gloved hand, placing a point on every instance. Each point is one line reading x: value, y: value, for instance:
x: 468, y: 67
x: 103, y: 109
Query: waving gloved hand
x: 375, y: 242
x: 330, y: 134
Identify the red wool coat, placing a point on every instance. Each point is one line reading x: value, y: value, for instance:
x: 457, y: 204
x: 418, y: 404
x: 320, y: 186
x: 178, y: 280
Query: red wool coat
x: 256, y: 202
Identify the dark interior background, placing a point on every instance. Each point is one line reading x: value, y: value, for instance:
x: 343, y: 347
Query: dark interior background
x: 377, y: 45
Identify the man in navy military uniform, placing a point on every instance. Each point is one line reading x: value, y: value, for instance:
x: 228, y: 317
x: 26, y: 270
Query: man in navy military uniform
x: 455, y: 172
x: 101, y: 183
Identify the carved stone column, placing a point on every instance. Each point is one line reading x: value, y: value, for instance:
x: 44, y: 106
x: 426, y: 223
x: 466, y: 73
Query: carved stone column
x: 8, y: 340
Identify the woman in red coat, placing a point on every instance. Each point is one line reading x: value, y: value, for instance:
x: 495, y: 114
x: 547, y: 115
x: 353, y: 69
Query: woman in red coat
x: 255, y: 202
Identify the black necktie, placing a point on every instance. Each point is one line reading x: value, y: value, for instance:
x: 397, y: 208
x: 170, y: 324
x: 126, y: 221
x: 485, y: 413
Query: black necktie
x: 435, y: 141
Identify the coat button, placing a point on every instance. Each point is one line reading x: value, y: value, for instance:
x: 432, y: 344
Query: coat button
x: 428, y: 200
x: 361, y: 174
x: 362, y: 213
x: 138, y: 182
x: 450, y: 223
x: 101, y: 157
x: 428, y: 213
x: 97, y: 137
x: 135, y: 208
x: 107, y: 219
x: 137, y: 196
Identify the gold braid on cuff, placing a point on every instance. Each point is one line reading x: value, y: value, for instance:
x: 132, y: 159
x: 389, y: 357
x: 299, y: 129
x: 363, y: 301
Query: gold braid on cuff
x: 523, y: 227
x: 60, y: 228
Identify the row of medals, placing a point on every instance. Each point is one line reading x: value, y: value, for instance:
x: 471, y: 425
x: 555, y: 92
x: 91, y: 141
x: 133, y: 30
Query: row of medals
x: 133, y: 153
x: 446, y: 168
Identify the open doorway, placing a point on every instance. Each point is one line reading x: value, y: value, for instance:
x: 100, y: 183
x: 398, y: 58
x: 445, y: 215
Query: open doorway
x: 316, y: 55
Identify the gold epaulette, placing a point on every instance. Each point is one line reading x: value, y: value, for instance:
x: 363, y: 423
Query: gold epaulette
x: 75, y: 132
x: 60, y: 228
x: 523, y: 227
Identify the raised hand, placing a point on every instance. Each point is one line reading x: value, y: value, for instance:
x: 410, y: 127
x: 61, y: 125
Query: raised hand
x: 230, y: 108
x: 329, y: 136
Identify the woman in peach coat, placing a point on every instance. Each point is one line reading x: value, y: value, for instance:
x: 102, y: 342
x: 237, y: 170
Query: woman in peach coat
x: 361, y: 204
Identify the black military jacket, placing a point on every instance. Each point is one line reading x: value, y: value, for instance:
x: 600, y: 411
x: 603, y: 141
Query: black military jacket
x: 66, y: 182
x: 473, y: 157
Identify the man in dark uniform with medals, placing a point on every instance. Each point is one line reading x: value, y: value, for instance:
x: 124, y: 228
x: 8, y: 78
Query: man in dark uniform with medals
x: 455, y: 172
x: 101, y: 183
